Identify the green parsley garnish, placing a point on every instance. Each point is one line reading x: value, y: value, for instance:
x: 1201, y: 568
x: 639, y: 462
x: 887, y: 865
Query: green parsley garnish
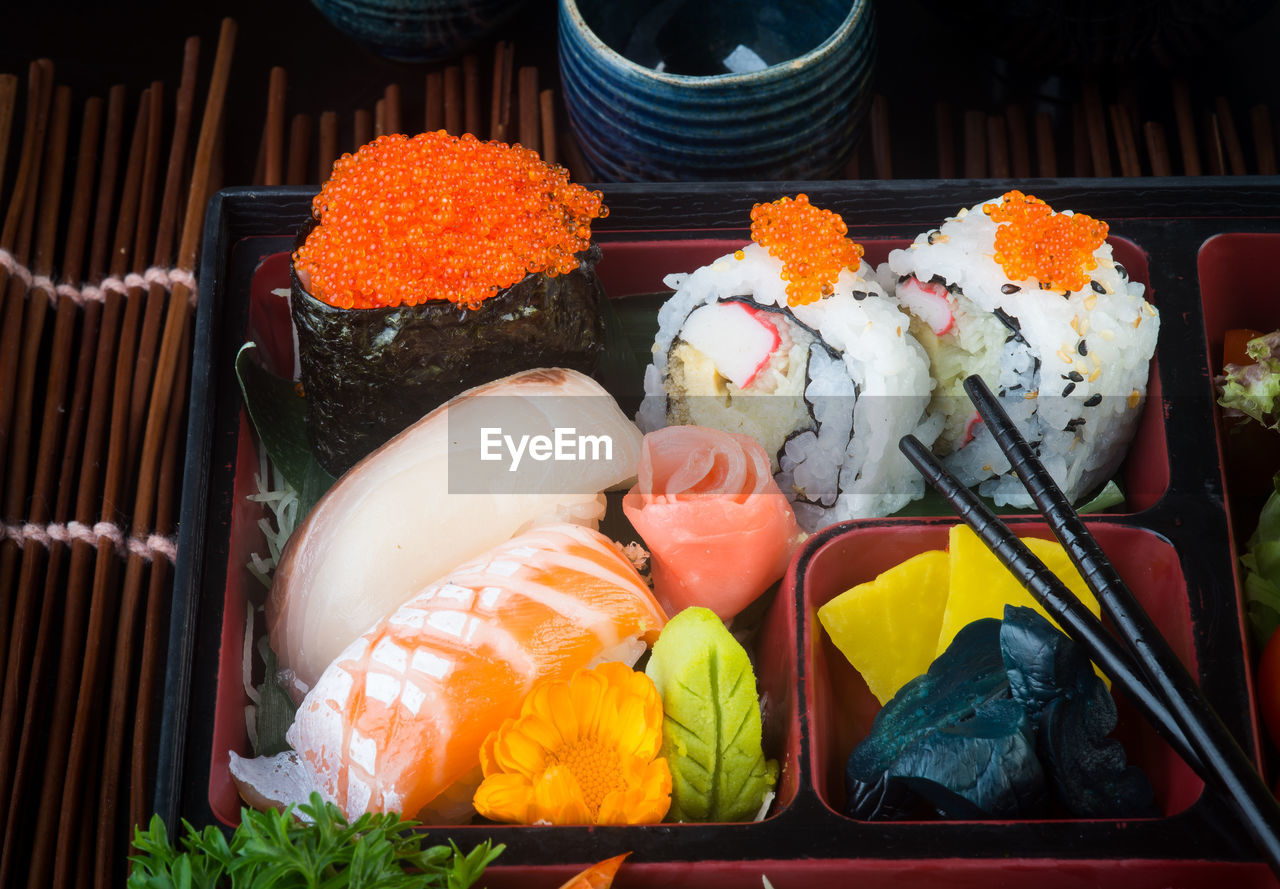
x: 276, y: 849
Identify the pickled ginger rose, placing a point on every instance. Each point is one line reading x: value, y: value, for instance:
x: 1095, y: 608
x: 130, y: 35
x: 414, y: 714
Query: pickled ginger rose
x: 719, y: 529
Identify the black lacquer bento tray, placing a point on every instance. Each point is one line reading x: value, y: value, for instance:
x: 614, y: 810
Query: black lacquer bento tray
x: 1177, y: 530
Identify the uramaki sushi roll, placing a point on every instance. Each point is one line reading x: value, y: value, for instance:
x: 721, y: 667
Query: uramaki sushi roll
x: 434, y: 264
x: 1034, y: 302
x: 792, y: 341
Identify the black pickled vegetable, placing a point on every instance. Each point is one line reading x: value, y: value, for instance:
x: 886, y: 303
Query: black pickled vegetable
x: 1008, y: 719
x: 370, y: 373
x: 1052, y: 678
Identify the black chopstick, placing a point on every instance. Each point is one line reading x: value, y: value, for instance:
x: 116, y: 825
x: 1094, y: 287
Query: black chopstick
x: 1076, y: 619
x: 1166, y: 676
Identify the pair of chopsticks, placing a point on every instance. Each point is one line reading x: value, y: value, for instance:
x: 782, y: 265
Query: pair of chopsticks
x: 1142, y: 664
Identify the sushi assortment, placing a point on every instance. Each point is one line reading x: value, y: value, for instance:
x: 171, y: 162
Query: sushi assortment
x: 474, y: 645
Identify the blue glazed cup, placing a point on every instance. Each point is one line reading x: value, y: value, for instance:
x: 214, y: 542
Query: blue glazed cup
x: 417, y: 30
x: 695, y: 90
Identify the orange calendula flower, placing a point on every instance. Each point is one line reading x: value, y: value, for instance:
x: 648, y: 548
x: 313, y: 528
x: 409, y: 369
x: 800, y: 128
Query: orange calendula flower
x: 811, y: 243
x: 1032, y: 241
x: 582, y: 751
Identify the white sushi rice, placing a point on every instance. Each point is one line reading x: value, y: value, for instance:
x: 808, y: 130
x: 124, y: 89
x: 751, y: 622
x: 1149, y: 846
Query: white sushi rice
x: 867, y: 388
x: 1073, y: 378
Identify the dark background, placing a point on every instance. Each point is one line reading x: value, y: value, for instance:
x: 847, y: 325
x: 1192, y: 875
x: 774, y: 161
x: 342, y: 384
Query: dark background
x: 923, y: 58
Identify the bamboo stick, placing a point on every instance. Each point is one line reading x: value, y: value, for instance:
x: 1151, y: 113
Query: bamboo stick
x: 1217, y: 159
x: 79, y: 775
x: 113, y: 784
x: 946, y: 140
x: 547, y: 125
x: 975, y: 145
x: 528, y: 117
x: 16, y: 238
x: 500, y: 105
x: 1230, y: 137
x: 435, y: 102
x: 573, y: 159
x: 391, y: 97
x: 25, y: 605
x: 881, y: 150
x: 1157, y: 149
x: 143, y: 358
x: 8, y: 99
x: 277, y: 85
x: 1096, y: 126
x: 12, y: 507
x: 454, y: 112
x: 1263, y: 139
x: 1186, y: 128
x: 997, y: 147
x: 471, y: 95
x: 77, y: 491
x: 363, y: 127
x: 379, y: 118
x: 1126, y: 146
x: 1046, y: 153
x: 19, y: 720
x: 1081, y: 148
x: 299, y: 150
x: 155, y: 621
x: 328, y: 150
x: 1019, y: 147
x: 172, y: 350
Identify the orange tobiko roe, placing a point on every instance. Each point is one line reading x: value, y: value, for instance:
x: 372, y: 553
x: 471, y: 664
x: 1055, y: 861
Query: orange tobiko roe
x: 437, y: 217
x: 1032, y: 241
x: 811, y: 243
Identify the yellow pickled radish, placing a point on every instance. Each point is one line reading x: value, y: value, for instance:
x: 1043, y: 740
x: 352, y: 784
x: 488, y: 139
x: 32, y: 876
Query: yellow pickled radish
x: 981, y: 586
x: 888, y: 627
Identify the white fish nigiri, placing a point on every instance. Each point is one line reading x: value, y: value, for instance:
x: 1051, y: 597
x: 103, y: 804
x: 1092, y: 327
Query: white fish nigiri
x: 402, y: 712
x: 436, y: 495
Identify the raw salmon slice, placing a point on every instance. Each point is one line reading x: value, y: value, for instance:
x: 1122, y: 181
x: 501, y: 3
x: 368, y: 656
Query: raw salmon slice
x: 401, y: 714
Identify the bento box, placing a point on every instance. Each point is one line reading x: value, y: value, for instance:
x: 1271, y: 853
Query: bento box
x: 1171, y: 540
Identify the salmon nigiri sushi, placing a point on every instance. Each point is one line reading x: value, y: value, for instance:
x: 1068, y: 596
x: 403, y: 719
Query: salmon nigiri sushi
x: 401, y: 714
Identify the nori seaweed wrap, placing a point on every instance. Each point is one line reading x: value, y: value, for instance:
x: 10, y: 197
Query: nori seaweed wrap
x: 370, y: 373
x: 434, y: 264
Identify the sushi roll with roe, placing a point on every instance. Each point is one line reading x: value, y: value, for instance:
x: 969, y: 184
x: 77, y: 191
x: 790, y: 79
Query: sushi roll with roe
x: 434, y: 264
x: 1034, y: 302
x: 792, y: 341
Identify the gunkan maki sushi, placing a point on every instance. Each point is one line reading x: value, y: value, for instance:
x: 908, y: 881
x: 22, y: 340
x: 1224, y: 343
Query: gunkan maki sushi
x: 434, y: 264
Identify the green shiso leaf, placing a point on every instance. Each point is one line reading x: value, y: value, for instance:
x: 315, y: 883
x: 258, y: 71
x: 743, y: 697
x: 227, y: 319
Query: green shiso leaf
x: 278, y: 413
x: 711, y: 733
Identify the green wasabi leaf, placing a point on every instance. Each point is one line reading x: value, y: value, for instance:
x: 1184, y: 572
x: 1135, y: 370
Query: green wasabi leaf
x: 1253, y: 389
x: 279, y: 416
x: 711, y: 730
